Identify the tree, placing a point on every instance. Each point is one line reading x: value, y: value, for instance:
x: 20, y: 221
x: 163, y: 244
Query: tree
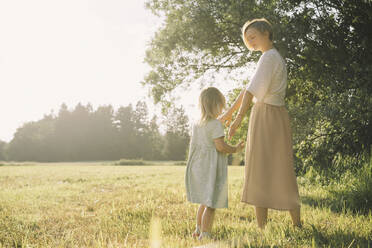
x: 327, y: 48
x: 141, y: 129
x: 72, y: 132
x: 62, y: 134
x: 2, y: 150
x: 177, y: 134
x: 126, y: 134
x: 156, y: 140
x: 31, y: 142
x: 103, y: 140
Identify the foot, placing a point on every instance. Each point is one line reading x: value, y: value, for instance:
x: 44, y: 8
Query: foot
x: 205, y: 235
x: 196, y: 234
x: 298, y: 225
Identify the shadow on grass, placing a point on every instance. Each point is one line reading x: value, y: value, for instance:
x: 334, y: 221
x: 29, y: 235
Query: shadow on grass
x: 321, y: 202
x: 339, y: 238
x: 337, y: 204
x: 311, y: 235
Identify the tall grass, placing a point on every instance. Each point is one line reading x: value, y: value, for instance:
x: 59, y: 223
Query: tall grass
x: 355, y: 190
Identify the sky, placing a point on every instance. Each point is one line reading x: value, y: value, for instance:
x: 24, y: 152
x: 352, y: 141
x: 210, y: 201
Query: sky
x: 73, y: 51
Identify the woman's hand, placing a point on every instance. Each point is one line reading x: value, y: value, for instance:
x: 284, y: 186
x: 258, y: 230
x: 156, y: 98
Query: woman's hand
x: 236, y: 123
x: 225, y: 118
x: 240, y: 146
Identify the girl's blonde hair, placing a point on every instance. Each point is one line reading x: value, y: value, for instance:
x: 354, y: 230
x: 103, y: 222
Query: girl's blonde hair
x: 211, y: 103
x: 262, y: 25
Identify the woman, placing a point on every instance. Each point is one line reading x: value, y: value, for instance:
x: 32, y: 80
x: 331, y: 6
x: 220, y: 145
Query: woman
x: 270, y: 181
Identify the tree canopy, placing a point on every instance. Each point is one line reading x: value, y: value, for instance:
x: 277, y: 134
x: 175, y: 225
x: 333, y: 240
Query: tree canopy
x: 327, y: 48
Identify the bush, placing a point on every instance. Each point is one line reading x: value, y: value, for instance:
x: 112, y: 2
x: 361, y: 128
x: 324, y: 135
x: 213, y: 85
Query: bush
x: 130, y: 162
x: 359, y: 197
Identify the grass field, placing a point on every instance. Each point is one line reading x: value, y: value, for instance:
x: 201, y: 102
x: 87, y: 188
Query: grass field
x: 103, y: 205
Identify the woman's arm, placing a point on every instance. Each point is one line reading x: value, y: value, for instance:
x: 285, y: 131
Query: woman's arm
x: 257, y: 86
x: 246, y: 102
x: 236, y: 105
x: 226, y: 117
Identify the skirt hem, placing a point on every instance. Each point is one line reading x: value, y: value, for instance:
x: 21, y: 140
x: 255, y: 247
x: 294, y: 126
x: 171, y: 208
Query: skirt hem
x: 275, y: 208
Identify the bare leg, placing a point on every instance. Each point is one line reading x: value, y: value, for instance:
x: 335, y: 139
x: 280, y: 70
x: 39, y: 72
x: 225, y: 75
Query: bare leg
x: 199, y: 216
x: 207, y: 219
x: 261, y: 215
x: 296, y: 216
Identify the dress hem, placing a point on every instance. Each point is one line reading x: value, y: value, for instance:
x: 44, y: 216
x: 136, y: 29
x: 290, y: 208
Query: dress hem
x: 208, y: 205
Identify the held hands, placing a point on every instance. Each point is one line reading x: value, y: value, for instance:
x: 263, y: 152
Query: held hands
x: 240, y: 146
x: 225, y: 118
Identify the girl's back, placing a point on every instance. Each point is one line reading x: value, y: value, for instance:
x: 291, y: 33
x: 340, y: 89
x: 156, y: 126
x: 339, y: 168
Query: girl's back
x: 206, y: 173
x: 203, y: 134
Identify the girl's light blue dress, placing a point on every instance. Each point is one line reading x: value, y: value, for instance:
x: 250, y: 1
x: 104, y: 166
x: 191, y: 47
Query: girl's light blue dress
x: 206, y: 171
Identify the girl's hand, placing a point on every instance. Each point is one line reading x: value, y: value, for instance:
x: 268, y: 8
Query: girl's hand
x: 240, y: 146
x: 234, y: 126
x: 225, y: 118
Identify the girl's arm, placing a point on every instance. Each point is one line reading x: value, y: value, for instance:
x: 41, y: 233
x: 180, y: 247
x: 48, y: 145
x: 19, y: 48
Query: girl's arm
x: 221, y: 146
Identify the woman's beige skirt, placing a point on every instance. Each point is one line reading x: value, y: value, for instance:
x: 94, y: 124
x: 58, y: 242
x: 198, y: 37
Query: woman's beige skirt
x: 270, y: 180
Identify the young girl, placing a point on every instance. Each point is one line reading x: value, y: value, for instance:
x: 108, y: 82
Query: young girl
x: 206, y: 172
x: 270, y: 181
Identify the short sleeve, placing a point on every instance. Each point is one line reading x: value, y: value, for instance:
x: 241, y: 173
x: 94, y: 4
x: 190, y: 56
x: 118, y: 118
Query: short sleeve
x: 261, y: 79
x: 217, y: 130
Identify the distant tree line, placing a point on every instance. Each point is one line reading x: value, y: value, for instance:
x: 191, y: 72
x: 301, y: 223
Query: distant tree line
x: 84, y: 134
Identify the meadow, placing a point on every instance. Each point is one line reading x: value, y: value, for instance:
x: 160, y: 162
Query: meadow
x: 106, y: 205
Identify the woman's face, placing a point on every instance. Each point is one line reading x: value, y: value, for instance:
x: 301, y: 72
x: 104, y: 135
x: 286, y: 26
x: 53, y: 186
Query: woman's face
x: 256, y: 39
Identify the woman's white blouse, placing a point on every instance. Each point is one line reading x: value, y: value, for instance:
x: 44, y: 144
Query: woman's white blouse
x: 269, y: 81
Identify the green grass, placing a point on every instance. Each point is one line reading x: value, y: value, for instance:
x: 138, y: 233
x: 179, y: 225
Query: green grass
x: 103, y: 205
